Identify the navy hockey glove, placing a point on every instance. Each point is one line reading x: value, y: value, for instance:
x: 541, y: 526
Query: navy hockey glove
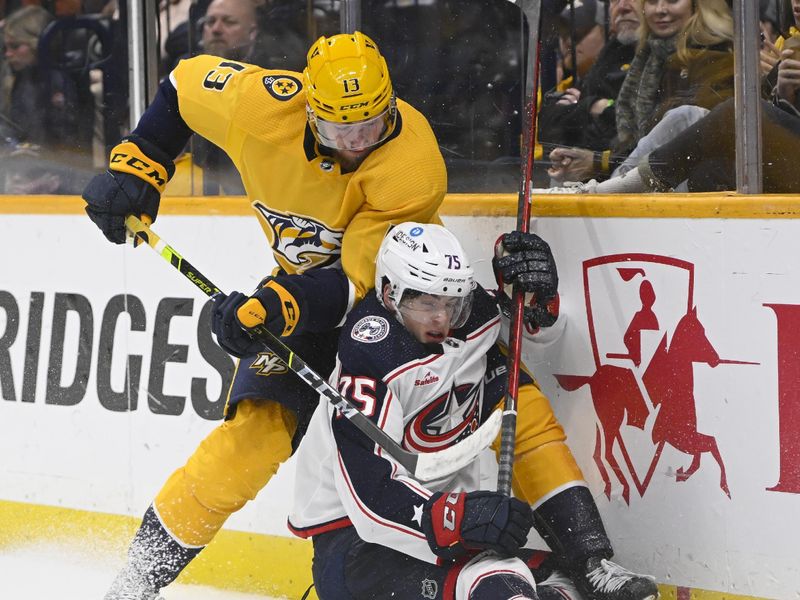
x: 457, y: 523
x: 525, y: 260
x: 273, y: 304
x: 137, y: 174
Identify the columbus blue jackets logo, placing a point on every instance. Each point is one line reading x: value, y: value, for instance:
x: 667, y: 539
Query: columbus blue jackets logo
x: 448, y: 419
x: 370, y: 329
x: 282, y: 87
x: 300, y: 243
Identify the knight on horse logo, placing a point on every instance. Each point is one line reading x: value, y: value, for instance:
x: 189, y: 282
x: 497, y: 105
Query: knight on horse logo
x: 644, y: 346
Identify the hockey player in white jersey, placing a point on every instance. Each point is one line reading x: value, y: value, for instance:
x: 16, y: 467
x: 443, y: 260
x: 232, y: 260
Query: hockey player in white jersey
x: 422, y: 360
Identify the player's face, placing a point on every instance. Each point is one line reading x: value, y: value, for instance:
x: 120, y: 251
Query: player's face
x: 796, y: 11
x: 666, y: 18
x: 355, y: 138
x: 429, y: 317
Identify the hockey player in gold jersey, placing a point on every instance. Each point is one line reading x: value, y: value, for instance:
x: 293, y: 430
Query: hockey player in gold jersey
x: 329, y: 159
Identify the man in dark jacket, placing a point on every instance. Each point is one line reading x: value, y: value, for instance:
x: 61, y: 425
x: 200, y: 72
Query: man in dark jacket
x: 584, y: 116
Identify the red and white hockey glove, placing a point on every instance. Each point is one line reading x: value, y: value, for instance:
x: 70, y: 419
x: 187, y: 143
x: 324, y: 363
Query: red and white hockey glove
x: 525, y: 260
x: 460, y: 522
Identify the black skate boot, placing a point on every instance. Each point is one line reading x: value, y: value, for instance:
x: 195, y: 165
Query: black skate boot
x: 155, y: 559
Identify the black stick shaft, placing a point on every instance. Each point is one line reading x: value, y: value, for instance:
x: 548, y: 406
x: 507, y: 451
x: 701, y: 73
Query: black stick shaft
x: 260, y: 333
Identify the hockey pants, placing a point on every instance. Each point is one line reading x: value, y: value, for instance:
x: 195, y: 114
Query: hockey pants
x: 229, y: 467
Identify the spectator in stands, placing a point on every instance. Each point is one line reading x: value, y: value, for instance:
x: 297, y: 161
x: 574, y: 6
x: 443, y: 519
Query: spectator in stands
x: 43, y: 103
x: 581, y: 29
x: 685, y: 60
x: 229, y: 31
x: 584, y: 116
x: 704, y: 155
x: 702, y: 158
x: 246, y: 31
x: 770, y: 34
x: 771, y: 51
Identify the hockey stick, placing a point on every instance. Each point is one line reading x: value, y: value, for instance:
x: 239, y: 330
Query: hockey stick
x: 425, y: 467
x: 532, y: 10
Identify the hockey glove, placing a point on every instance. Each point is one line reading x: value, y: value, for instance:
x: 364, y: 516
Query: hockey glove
x: 525, y: 260
x: 137, y: 175
x: 457, y: 523
x: 273, y: 305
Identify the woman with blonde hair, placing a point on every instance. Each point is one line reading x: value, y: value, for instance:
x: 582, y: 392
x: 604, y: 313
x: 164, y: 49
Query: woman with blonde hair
x: 684, y: 59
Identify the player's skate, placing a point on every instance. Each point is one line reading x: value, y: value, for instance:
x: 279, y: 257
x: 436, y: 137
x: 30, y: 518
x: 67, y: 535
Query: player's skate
x: 558, y: 587
x: 606, y: 580
x: 155, y: 559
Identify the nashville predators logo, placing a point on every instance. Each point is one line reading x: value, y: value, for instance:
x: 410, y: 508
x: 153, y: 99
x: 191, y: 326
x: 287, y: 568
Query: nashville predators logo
x: 299, y: 243
x: 268, y: 364
x: 282, y: 87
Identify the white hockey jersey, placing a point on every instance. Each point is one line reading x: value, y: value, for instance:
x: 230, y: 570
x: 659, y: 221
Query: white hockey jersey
x: 426, y: 397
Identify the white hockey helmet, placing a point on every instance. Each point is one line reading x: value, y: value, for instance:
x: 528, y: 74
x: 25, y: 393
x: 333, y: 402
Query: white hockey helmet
x: 426, y: 259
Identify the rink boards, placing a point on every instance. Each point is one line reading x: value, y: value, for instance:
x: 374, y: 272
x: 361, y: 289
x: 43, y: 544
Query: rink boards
x: 680, y: 350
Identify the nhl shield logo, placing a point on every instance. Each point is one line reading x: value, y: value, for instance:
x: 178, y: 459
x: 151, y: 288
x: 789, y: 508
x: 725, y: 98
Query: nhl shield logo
x: 429, y: 589
x: 645, y: 337
x: 370, y: 329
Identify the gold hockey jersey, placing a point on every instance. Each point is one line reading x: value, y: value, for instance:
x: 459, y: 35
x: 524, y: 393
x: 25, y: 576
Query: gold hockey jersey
x: 313, y: 214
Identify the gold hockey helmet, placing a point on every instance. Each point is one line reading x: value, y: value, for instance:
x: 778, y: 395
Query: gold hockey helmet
x: 351, y: 104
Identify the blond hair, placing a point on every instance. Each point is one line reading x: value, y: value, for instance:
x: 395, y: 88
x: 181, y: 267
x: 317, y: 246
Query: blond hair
x: 26, y: 24
x: 711, y: 23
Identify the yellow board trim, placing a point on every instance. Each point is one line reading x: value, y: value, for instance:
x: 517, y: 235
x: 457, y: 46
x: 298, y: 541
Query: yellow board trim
x: 671, y: 592
x: 726, y: 205
x: 238, y: 561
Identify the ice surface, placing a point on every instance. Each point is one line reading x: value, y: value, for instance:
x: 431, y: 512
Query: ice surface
x: 40, y: 572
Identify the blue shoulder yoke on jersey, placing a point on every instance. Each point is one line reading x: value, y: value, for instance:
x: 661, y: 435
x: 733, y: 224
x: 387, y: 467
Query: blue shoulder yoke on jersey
x: 322, y: 296
x: 162, y: 124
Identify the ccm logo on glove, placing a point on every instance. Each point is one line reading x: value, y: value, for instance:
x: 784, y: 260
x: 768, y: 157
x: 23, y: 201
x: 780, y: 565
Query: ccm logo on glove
x: 127, y: 158
x: 458, y: 523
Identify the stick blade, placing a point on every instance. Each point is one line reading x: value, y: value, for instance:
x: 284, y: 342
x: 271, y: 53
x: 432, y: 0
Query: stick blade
x: 437, y: 465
